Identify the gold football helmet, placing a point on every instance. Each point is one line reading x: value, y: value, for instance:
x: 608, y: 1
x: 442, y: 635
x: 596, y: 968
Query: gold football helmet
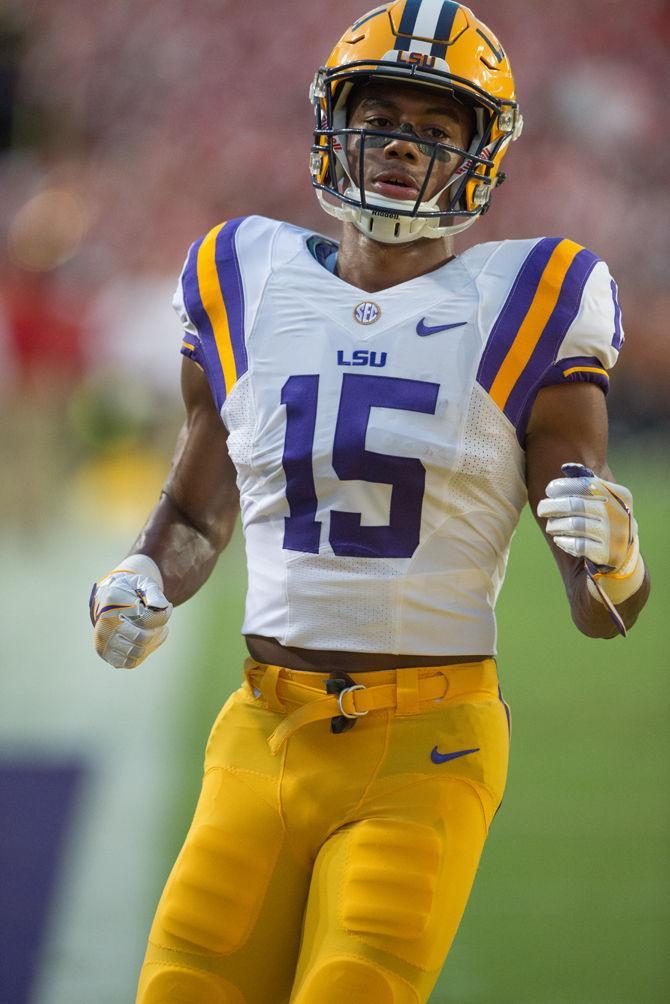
x: 440, y: 45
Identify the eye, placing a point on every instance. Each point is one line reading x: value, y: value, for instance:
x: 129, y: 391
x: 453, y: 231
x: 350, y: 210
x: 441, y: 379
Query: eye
x: 378, y: 122
x: 439, y: 135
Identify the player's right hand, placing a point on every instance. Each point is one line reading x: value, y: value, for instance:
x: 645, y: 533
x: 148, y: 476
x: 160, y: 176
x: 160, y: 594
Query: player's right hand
x: 129, y: 614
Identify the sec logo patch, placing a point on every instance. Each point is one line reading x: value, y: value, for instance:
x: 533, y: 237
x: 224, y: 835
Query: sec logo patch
x: 367, y: 312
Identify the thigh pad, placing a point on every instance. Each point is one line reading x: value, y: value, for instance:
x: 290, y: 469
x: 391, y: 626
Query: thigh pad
x: 406, y: 883
x: 390, y: 878
x: 221, y: 876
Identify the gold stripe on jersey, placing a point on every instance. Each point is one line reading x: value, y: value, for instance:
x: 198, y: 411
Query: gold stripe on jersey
x: 533, y: 324
x: 585, y: 369
x: 215, y: 307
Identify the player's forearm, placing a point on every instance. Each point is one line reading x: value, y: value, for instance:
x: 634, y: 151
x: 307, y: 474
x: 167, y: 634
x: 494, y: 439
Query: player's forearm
x: 185, y: 553
x: 590, y: 615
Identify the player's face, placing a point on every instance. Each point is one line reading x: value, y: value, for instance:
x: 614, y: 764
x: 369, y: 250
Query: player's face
x: 396, y: 168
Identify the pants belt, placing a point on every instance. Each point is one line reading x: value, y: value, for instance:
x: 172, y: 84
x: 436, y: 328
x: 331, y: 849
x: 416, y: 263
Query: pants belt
x: 405, y: 696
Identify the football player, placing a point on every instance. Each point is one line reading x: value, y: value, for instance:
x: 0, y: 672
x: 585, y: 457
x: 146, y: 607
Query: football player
x: 380, y: 411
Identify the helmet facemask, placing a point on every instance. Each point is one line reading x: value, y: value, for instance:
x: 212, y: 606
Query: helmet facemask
x: 397, y: 219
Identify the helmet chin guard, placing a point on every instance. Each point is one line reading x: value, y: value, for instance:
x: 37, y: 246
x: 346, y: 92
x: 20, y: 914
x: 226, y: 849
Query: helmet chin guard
x: 381, y: 219
x: 432, y: 43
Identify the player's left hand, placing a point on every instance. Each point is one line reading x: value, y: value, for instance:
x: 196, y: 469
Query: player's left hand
x: 591, y: 518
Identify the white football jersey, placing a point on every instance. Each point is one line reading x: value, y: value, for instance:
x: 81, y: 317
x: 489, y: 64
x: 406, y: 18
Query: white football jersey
x: 378, y: 437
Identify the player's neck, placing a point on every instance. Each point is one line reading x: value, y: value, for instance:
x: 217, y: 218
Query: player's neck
x: 372, y: 266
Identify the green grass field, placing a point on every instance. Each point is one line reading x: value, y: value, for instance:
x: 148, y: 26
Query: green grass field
x: 571, y: 901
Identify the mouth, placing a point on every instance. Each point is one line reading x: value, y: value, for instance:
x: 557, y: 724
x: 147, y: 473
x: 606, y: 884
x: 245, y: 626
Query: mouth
x: 395, y: 185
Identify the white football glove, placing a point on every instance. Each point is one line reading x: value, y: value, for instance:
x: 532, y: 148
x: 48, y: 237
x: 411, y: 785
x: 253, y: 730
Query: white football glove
x: 591, y: 518
x: 129, y: 612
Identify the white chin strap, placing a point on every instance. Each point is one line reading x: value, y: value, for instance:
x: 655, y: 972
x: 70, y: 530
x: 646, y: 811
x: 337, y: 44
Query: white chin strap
x: 381, y: 221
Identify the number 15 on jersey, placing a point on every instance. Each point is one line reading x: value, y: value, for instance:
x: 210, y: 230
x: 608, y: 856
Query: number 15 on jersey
x: 352, y: 462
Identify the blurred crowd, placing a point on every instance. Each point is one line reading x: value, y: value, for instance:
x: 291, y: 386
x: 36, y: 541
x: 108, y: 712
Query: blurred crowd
x: 129, y: 127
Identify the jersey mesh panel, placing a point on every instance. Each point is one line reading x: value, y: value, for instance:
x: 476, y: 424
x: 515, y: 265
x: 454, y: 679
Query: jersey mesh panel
x: 365, y: 597
x: 240, y: 419
x: 491, y: 462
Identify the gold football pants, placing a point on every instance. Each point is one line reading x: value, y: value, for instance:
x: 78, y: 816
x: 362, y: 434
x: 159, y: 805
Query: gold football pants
x: 325, y: 868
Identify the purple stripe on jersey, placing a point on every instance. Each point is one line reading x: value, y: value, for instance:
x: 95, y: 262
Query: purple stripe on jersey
x: 516, y: 307
x: 207, y: 354
x: 560, y: 319
x: 546, y: 350
x: 617, y: 339
x: 196, y: 353
x: 230, y: 280
x: 556, y: 373
x: 189, y: 283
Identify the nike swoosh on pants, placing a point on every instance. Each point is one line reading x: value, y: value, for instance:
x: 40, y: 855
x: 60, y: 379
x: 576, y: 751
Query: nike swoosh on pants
x: 438, y: 757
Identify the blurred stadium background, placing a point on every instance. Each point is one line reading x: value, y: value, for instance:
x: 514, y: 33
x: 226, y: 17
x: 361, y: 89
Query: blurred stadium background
x: 127, y: 128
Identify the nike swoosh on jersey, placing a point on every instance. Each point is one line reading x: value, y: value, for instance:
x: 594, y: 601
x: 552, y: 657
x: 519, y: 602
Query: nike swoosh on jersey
x: 438, y: 757
x: 423, y: 329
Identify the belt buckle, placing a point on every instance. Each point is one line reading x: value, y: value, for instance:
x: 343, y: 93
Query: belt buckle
x: 349, y: 690
x: 339, y: 686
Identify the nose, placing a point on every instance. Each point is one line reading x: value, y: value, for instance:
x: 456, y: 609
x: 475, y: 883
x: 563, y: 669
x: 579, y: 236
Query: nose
x: 401, y: 148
